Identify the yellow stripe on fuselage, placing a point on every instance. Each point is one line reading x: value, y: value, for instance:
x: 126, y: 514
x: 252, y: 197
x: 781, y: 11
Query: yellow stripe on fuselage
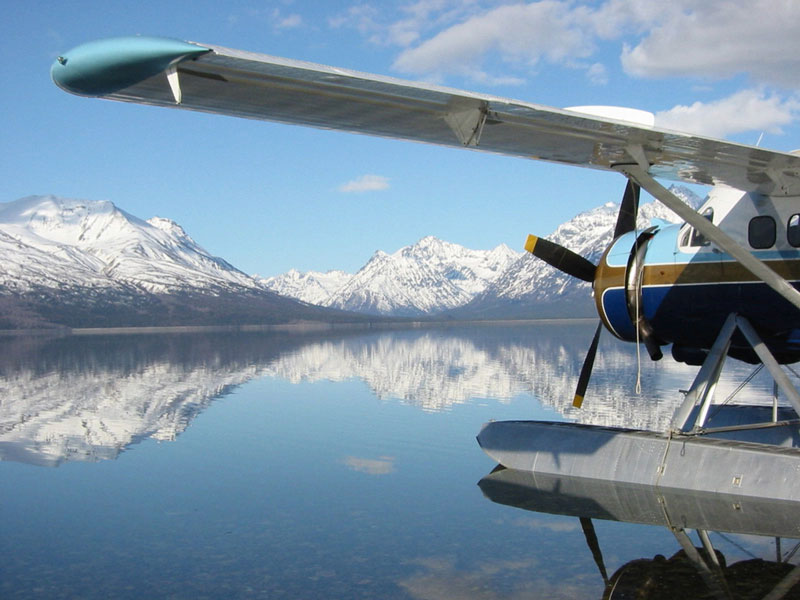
x: 714, y: 272
x: 694, y: 273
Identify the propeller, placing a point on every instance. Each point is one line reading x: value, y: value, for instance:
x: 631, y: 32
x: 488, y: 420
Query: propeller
x: 569, y: 262
x: 561, y: 258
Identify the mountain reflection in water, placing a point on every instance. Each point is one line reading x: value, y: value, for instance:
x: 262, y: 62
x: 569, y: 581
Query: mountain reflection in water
x: 88, y: 398
x: 338, y: 465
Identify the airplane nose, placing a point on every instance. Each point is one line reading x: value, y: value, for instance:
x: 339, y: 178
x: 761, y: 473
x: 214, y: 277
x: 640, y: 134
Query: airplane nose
x: 106, y: 66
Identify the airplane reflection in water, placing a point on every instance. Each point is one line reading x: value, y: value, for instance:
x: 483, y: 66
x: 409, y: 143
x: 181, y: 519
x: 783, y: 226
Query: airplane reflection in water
x: 89, y: 398
x: 686, y: 570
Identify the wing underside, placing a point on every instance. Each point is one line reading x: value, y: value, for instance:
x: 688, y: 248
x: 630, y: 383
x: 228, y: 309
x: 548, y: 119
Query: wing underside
x: 256, y: 86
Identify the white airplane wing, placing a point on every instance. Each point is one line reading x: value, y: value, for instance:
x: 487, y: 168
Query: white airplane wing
x: 219, y: 80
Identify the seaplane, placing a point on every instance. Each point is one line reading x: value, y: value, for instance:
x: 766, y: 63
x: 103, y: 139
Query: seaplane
x: 723, y: 284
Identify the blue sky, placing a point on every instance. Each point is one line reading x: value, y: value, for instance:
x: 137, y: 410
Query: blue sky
x: 270, y: 197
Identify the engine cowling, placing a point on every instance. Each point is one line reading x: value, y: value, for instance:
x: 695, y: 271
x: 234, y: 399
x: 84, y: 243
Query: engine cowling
x: 618, y: 290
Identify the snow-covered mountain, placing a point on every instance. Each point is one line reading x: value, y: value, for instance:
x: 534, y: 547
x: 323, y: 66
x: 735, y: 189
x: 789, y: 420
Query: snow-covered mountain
x: 532, y: 288
x: 423, y: 279
x: 313, y: 287
x: 88, y: 263
x: 81, y: 263
x: 96, y: 244
x: 433, y: 277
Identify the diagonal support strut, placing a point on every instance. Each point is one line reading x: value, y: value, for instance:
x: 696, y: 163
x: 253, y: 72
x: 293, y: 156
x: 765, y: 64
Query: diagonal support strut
x: 705, y: 382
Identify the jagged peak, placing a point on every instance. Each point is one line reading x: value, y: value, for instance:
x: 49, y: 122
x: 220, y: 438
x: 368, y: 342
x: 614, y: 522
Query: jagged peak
x: 168, y: 226
x: 94, y: 243
x: 429, y: 244
x: 687, y: 195
x: 431, y: 241
x: 428, y: 240
x: 434, y: 245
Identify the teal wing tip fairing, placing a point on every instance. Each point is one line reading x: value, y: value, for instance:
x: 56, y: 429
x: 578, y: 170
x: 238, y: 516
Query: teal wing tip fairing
x: 105, y: 66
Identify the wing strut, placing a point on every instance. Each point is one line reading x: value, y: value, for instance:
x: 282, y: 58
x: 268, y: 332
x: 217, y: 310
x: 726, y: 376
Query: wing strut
x: 639, y: 175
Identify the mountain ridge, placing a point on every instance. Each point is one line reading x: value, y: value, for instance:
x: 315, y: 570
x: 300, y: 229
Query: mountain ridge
x: 80, y: 263
x: 419, y: 280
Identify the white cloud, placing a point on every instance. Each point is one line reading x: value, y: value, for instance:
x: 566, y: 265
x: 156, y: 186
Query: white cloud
x: 281, y: 21
x: 289, y: 22
x: 518, y: 33
x: 719, y: 39
x: 699, y: 38
x: 274, y: 18
x: 361, y: 17
x: 747, y: 110
x: 407, y: 23
x: 505, y: 42
x: 545, y: 523
x: 365, y: 183
x: 429, y: 15
x: 597, y: 73
x: 372, y: 466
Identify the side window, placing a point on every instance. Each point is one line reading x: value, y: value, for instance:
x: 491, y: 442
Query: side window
x: 695, y: 237
x: 761, y: 232
x: 793, y: 231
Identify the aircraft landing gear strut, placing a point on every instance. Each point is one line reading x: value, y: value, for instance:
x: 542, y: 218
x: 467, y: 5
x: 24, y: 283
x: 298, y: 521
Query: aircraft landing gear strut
x: 702, y: 391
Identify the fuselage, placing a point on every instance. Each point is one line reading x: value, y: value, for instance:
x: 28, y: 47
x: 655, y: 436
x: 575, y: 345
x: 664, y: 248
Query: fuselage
x: 680, y: 289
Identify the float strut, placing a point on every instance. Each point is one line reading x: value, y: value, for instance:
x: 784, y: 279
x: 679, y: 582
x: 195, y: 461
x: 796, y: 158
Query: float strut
x: 702, y: 390
x: 769, y: 361
x: 706, y: 380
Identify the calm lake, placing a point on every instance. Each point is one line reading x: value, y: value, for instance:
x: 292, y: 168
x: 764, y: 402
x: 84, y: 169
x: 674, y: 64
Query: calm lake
x: 343, y: 465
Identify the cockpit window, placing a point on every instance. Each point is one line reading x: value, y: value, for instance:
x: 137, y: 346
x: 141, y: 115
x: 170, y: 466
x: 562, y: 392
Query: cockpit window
x: 793, y: 231
x: 761, y: 232
x: 693, y: 237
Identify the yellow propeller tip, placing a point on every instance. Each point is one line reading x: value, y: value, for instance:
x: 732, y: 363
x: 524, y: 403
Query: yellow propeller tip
x: 530, y: 243
x: 577, y: 401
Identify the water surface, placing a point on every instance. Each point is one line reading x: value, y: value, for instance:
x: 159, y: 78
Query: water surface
x: 313, y: 466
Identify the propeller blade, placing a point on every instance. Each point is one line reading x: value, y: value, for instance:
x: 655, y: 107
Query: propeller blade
x: 586, y: 370
x: 560, y: 258
x: 626, y: 219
